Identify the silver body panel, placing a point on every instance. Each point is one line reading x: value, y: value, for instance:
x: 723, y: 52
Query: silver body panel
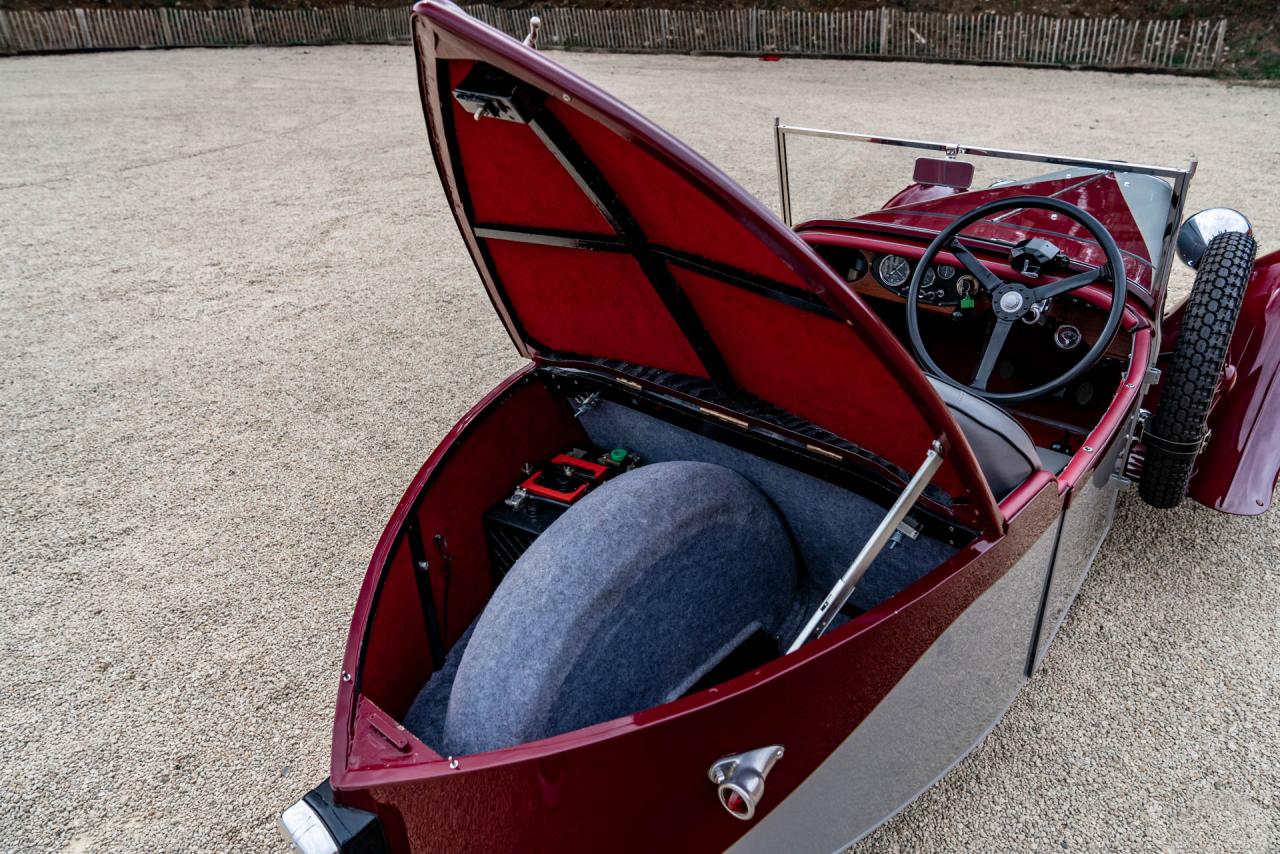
x: 937, y: 713
x: 1085, y: 525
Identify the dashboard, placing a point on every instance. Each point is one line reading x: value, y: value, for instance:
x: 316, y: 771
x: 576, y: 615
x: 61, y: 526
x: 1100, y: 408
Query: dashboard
x: 943, y: 285
x: 878, y: 270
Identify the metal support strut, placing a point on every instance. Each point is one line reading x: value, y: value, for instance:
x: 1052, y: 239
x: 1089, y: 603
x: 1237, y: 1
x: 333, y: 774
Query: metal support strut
x: 844, y: 588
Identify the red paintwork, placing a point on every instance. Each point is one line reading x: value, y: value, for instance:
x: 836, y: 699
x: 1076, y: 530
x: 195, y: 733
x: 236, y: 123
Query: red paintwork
x: 915, y: 194
x: 550, y: 790
x: 1237, y: 471
x: 1100, y: 195
x: 551, y: 297
x: 1109, y: 428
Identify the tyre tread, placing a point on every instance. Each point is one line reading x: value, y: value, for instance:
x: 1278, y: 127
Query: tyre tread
x: 1197, y: 363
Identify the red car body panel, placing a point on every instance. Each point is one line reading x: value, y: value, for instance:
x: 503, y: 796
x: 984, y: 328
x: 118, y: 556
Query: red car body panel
x: 549, y: 790
x: 1237, y: 471
x: 501, y: 179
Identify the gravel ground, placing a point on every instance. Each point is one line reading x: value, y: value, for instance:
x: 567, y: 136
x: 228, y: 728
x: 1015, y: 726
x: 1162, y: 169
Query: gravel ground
x: 235, y: 316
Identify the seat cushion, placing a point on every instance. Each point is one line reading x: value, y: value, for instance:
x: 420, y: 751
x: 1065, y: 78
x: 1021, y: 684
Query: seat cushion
x: 623, y: 603
x: 1051, y: 460
x: 1005, y: 452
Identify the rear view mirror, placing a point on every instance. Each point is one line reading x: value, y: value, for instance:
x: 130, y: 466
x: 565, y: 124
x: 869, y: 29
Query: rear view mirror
x: 943, y: 173
x: 1199, y: 229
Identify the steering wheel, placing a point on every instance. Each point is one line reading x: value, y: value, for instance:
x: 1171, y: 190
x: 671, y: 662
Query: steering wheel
x: 1011, y: 301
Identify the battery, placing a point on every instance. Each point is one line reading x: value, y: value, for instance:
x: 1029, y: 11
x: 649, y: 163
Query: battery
x: 542, y: 497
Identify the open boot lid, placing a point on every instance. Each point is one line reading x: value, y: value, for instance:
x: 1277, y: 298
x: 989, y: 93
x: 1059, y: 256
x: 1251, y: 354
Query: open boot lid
x: 605, y: 243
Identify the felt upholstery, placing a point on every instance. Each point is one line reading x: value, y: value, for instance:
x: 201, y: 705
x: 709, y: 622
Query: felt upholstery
x: 829, y: 524
x: 629, y: 598
x: 425, y: 717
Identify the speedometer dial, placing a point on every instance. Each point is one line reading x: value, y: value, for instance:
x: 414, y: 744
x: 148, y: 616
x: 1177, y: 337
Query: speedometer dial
x: 893, y: 271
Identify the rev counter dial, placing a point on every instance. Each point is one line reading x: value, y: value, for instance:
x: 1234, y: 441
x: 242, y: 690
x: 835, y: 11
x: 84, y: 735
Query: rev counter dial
x: 893, y: 271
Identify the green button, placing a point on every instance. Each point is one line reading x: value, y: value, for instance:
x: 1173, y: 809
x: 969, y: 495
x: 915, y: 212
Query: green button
x: 617, y: 455
x: 966, y: 302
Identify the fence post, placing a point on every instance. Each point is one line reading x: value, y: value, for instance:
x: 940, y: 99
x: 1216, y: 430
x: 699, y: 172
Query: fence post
x: 83, y: 26
x: 884, y: 30
x: 7, y: 41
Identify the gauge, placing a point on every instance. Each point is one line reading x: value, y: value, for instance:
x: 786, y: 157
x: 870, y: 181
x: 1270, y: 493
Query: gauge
x: 945, y: 272
x: 855, y: 266
x: 849, y: 263
x: 967, y: 286
x: 927, y: 282
x: 893, y: 271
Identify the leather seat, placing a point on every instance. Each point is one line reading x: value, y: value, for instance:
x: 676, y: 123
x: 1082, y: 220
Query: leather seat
x: 1005, y: 452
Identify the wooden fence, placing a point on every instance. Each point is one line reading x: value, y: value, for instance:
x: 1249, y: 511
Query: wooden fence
x: 887, y: 33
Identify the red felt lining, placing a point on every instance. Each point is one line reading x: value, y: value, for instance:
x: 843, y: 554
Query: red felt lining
x: 482, y: 468
x: 592, y: 303
x: 669, y: 208
x: 812, y: 366
x: 513, y: 178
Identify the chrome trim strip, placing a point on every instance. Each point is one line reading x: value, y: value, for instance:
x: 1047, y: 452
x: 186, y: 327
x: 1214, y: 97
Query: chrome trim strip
x: 784, y: 185
x: 955, y: 149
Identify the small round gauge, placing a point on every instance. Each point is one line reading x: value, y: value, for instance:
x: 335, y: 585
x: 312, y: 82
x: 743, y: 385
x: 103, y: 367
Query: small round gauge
x: 945, y: 272
x: 893, y: 271
x: 855, y: 266
x: 927, y: 281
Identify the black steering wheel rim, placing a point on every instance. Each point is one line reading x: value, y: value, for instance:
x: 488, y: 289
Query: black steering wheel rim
x: 948, y: 239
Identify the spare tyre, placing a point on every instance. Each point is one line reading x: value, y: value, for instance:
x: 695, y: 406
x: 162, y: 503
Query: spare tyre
x: 1176, y: 431
x: 625, y: 602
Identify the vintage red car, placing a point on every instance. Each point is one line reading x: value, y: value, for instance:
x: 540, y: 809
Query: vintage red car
x: 798, y: 503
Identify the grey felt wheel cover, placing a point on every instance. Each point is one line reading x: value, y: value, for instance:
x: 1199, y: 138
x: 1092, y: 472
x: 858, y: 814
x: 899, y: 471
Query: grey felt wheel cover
x: 622, y: 604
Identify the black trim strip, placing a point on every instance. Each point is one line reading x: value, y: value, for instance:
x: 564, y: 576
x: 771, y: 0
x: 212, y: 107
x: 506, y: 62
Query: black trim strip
x: 422, y: 579
x: 756, y: 284
x: 592, y: 182
x: 759, y: 285
x: 1030, y: 668
x: 489, y: 271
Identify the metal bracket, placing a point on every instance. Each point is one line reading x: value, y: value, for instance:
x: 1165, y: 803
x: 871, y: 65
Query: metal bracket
x: 887, y: 528
x: 1173, y: 448
x: 909, y: 528
x: 486, y: 93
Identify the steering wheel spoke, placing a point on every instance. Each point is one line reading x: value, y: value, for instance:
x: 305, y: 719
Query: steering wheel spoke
x: 995, y: 344
x: 1070, y: 283
x: 988, y: 279
x: 1013, y: 301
